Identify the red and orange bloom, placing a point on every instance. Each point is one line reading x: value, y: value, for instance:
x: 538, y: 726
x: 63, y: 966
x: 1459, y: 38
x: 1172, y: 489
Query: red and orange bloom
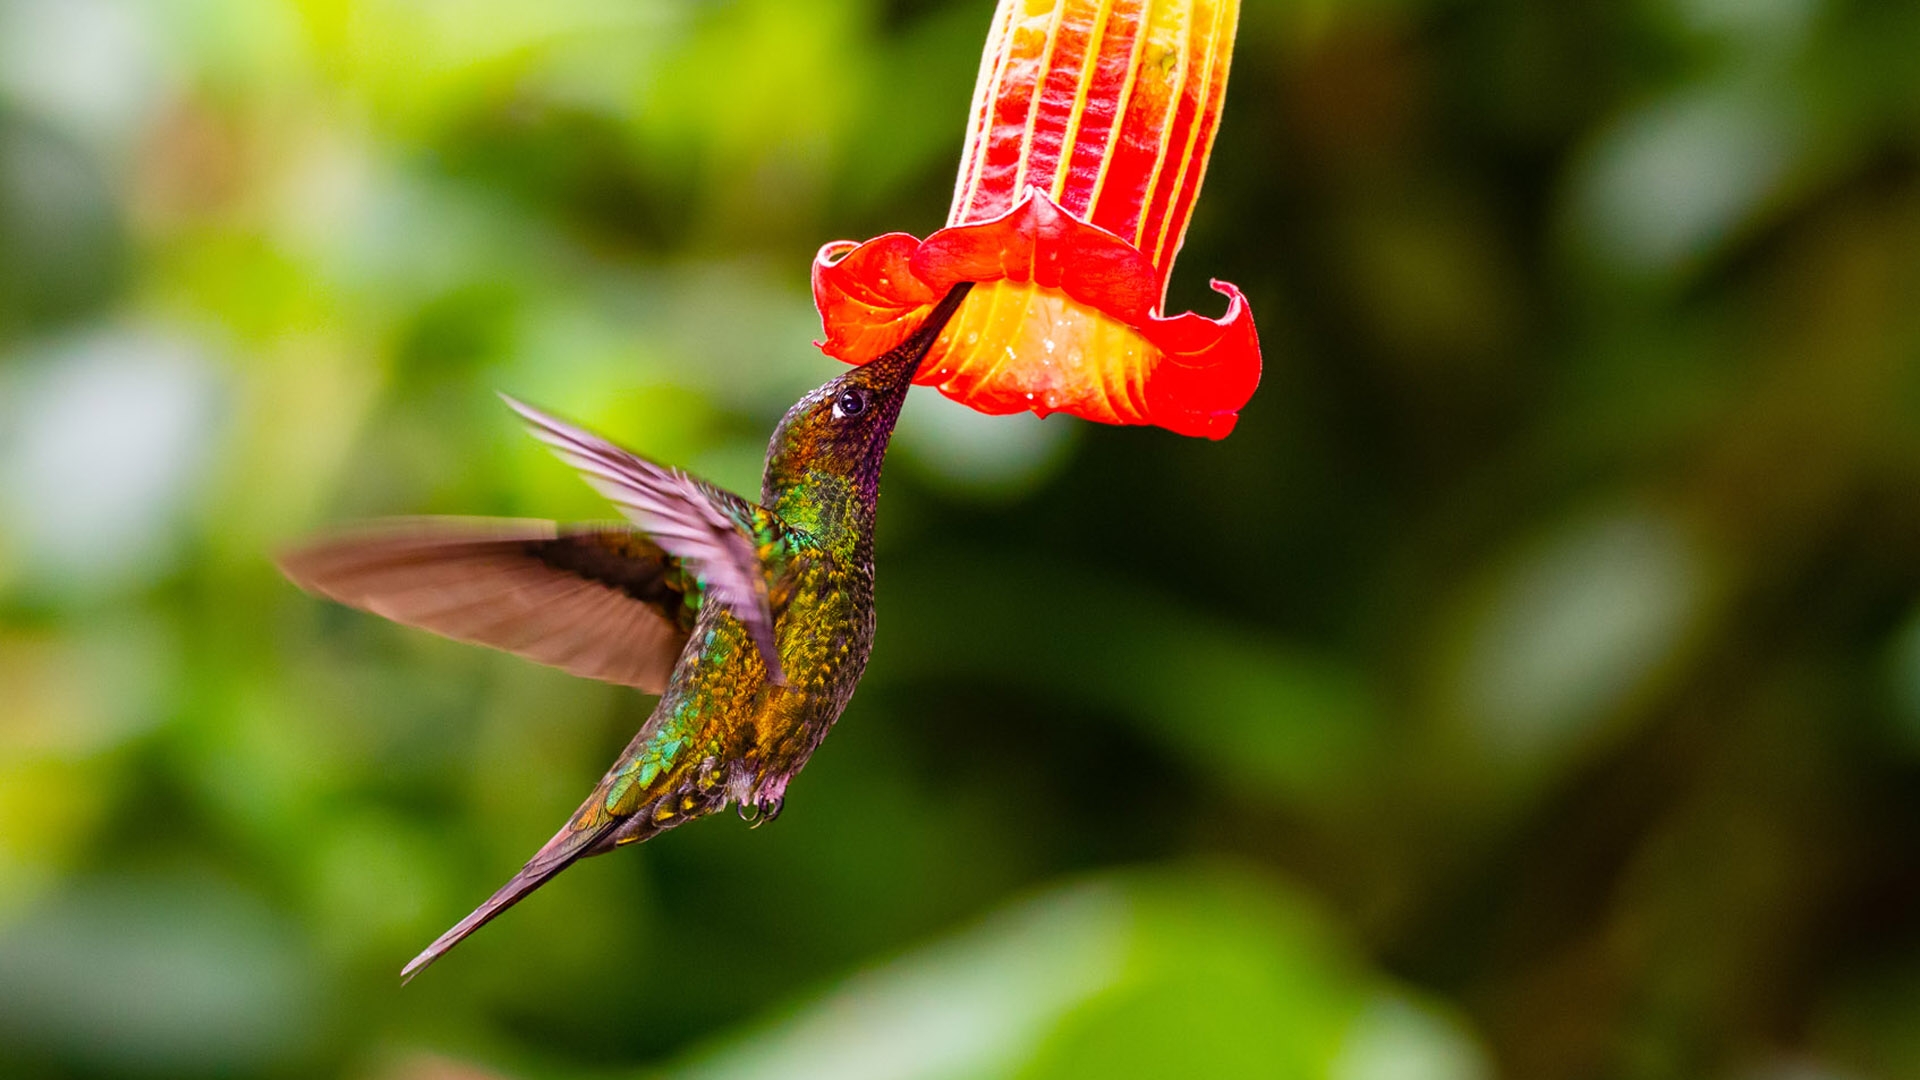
x: 1091, y: 126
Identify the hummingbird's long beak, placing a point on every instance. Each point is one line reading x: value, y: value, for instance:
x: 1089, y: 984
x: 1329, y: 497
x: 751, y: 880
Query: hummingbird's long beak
x: 893, y: 372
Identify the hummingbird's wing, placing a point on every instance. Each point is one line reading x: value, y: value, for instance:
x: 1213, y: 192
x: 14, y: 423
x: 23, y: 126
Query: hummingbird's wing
x: 709, y: 530
x: 603, y: 602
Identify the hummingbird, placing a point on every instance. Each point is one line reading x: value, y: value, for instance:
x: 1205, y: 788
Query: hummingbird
x: 752, y: 621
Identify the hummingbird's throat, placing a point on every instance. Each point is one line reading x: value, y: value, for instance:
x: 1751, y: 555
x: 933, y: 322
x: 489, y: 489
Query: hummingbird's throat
x: 825, y: 478
x: 831, y: 508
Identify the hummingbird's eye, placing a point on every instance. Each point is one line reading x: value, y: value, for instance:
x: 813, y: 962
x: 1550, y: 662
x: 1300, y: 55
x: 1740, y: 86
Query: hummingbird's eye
x: 851, y: 402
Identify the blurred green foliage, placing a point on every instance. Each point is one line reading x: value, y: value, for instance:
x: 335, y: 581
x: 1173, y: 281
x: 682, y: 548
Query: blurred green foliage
x: 1530, y: 687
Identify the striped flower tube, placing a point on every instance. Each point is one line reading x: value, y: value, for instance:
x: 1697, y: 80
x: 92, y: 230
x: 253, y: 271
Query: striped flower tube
x: 1091, y: 125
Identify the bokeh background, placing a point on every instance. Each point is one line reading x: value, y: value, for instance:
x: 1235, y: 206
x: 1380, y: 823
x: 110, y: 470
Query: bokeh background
x: 1530, y: 687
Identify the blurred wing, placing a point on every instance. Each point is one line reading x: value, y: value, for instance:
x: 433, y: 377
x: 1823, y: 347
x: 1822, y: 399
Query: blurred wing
x: 599, y: 602
x: 704, y: 527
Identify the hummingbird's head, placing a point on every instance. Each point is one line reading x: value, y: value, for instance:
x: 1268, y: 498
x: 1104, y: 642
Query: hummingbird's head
x: 829, y: 447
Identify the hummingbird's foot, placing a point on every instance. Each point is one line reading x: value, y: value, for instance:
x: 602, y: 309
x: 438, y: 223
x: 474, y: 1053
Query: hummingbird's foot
x: 760, y: 811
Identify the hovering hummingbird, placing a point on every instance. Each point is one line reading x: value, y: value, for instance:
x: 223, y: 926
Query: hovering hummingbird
x: 752, y: 622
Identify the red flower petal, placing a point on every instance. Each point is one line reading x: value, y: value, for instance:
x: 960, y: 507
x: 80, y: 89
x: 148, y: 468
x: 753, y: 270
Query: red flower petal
x: 1084, y: 340
x: 1037, y: 241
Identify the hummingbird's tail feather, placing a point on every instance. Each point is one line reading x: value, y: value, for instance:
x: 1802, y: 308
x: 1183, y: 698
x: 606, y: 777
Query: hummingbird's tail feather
x: 571, y: 844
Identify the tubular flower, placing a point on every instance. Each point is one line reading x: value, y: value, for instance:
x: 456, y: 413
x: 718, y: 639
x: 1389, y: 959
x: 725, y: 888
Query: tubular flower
x: 1091, y: 125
